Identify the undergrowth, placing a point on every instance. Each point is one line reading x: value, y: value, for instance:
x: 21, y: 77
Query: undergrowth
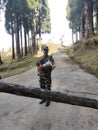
x: 9, y: 67
x: 86, y: 57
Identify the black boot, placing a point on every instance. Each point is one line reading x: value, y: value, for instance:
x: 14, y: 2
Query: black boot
x: 47, y: 103
x: 42, y: 101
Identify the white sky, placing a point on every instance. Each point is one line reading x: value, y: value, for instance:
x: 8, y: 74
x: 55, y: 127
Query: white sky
x: 5, y: 38
x: 58, y: 15
x: 58, y: 20
x: 59, y: 25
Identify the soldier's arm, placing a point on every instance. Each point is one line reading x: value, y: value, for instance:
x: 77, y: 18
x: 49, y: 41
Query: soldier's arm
x: 38, y: 62
x: 52, y: 61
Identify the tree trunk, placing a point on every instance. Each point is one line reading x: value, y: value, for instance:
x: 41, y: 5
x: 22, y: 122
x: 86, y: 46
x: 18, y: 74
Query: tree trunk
x: 25, y: 42
x: 29, y: 46
x: 34, y: 34
x: 18, y: 40
x: 97, y: 20
x: 49, y: 95
x: 76, y: 36
x: 89, y: 31
x: 40, y: 26
x: 21, y: 41
x: 91, y: 17
x: 82, y: 27
x: 72, y: 36
x: 28, y: 36
x: 13, y: 48
x: 1, y: 62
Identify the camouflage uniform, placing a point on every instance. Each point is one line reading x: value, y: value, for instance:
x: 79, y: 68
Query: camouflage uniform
x: 45, y: 74
x: 45, y: 65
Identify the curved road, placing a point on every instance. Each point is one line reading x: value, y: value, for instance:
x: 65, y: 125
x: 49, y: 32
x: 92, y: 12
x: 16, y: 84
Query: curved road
x: 23, y: 113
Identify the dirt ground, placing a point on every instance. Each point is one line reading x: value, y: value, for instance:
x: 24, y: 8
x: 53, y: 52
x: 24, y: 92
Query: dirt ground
x: 23, y: 113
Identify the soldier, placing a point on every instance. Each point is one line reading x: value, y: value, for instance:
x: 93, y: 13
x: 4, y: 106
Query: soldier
x: 45, y: 66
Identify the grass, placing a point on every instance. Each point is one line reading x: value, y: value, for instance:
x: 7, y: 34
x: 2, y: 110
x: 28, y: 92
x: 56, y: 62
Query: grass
x: 10, y: 67
x: 87, y: 58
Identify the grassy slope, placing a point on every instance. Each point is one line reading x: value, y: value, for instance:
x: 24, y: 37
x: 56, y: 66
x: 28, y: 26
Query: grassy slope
x: 26, y: 63
x: 86, y: 57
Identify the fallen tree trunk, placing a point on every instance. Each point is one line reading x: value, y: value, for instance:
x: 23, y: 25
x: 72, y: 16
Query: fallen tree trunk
x: 46, y: 94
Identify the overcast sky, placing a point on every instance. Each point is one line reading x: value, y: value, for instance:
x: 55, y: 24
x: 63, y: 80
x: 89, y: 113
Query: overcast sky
x: 58, y: 15
x: 58, y: 19
x: 5, y: 38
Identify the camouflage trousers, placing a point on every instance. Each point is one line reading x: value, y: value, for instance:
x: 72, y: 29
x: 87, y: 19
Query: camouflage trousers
x: 45, y: 81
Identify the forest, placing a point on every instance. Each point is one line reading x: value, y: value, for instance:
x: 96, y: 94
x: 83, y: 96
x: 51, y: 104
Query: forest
x: 83, y: 21
x: 83, y: 18
x: 24, y: 19
x: 31, y: 17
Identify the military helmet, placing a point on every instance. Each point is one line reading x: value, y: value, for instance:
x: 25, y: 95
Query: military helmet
x: 45, y: 48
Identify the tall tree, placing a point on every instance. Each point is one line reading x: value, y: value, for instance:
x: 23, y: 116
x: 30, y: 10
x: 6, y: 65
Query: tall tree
x: 96, y: 15
x: 24, y: 14
x: 74, y: 10
x: 80, y: 16
x: 1, y: 62
x: 12, y: 22
x: 16, y: 16
x: 32, y: 4
x: 45, y: 17
x: 41, y: 18
x: 88, y: 12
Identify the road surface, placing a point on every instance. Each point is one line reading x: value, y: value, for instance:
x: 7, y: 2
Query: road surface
x: 23, y: 113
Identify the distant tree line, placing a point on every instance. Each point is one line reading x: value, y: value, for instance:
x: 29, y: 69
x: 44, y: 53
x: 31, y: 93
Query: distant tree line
x: 24, y: 19
x: 83, y: 17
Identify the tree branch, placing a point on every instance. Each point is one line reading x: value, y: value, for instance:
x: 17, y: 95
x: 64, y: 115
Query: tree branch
x: 49, y: 95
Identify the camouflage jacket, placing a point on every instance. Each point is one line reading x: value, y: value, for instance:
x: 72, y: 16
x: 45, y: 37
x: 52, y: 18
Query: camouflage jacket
x: 42, y: 60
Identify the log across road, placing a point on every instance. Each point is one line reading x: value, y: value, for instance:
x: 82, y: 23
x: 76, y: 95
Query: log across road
x: 68, y: 80
x: 46, y: 94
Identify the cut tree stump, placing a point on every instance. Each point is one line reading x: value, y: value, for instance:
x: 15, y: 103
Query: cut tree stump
x: 49, y: 95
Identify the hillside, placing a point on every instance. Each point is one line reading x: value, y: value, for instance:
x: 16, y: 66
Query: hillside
x: 85, y: 53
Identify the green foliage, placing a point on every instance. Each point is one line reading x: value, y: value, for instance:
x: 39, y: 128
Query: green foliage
x: 32, y: 4
x: 74, y: 10
x: 46, y: 26
x: 23, y: 9
x: 32, y: 15
x: 17, y: 9
x: 45, y: 16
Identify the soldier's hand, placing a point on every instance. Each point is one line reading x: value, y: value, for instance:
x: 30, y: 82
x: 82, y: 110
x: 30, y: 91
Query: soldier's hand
x: 41, y: 67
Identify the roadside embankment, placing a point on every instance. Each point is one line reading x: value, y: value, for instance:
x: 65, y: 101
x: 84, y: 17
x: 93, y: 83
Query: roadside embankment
x: 86, y: 55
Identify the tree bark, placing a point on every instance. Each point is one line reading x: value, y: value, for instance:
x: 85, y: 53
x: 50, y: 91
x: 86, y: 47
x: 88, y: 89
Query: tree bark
x: 13, y: 48
x: 21, y: 40
x: 34, y: 32
x: 89, y: 31
x: 18, y: 40
x: 25, y: 41
x: 82, y: 27
x: 49, y: 95
x: 1, y: 62
x: 97, y: 19
x: 72, y: 36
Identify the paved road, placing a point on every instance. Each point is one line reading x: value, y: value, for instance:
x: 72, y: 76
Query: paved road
x: 23, y: 113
